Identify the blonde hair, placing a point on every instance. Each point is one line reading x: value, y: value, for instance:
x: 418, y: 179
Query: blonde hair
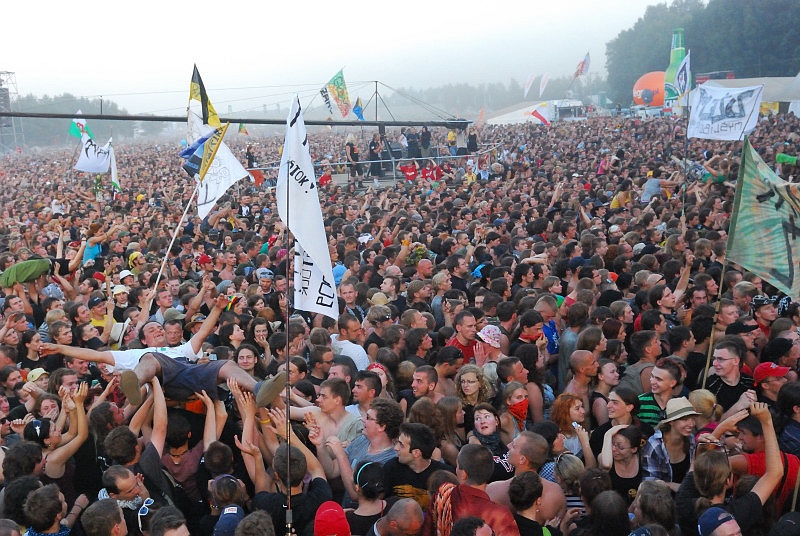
x: 705, y: 403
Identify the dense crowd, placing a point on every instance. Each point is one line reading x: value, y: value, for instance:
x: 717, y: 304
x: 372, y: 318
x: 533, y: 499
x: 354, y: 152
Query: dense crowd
x: 538, y: 334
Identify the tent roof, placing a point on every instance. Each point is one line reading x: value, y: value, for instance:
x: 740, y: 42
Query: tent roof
x: 776, y: 88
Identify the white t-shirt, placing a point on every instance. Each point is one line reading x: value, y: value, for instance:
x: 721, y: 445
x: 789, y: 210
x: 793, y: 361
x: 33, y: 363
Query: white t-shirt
x: 128, y: 359
x: 352, y: 350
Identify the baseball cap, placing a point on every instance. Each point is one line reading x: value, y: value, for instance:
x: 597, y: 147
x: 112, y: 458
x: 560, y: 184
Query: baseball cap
x: 739, y: 327
x: 711, y: 519
x: 229, y: 520
x: 331, y: 521
x: 94, y: 302
x: 762, y: 372
x: 124, y: 273
x: 490, y: 334
x: 37, y: 373
x: 264, y: 273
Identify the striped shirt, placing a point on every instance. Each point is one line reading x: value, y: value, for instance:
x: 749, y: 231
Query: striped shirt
x: 649, y: 410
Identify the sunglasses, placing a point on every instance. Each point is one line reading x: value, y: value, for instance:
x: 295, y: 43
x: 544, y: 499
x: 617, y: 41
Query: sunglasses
x: 143, y: 511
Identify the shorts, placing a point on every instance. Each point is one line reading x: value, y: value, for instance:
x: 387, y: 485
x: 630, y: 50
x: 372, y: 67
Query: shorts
x: 181, y: 379
x: 355, y: 169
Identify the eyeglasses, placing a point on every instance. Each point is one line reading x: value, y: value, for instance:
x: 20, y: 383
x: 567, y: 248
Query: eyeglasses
x: 723, y: 359
x: 143, y: 511
x: 708, y: 446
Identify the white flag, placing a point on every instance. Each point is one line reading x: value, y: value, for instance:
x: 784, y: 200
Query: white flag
x: 528, y: 84
x: 683, y: 77
x: 543, y: 83
x: 225, y: 170
x: 92, y: 157
x: 720, y: 113
x: 298, y: 207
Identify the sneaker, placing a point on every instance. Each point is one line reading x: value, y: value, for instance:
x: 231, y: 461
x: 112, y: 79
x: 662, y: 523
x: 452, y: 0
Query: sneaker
x: 129, y: 384
x: 267, y: 390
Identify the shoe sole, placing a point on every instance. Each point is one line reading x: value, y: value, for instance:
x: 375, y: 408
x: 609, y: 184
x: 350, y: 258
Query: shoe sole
x: 270, y: 389
x: 129, y: 384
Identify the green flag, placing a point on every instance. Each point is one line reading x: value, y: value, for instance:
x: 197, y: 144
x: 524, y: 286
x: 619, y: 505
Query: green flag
x: 78, y: 126
x: 765, y: 227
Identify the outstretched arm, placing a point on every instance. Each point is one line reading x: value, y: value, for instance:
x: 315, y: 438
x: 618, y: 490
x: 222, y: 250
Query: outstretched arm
x: 86, y: 354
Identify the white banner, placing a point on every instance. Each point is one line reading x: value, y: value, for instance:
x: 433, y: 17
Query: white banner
x: 299, y: 209
x: 543, y: 83
x: 720, y: 113
x: 93, y: 158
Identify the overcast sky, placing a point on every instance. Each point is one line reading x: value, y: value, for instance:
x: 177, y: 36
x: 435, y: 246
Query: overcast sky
x: 140, y: 54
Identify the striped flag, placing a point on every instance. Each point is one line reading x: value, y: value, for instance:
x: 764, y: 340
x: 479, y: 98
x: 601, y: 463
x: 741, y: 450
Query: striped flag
x: 243, y: 130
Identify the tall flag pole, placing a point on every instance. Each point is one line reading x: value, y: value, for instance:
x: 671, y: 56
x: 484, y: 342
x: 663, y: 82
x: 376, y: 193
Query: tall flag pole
x: 299, y: 209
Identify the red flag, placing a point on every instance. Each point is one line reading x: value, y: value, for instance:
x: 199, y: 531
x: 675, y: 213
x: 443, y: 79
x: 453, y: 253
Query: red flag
x: 257, y: 176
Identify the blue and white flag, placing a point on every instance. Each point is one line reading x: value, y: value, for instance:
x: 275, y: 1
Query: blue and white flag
x: 299, y: 209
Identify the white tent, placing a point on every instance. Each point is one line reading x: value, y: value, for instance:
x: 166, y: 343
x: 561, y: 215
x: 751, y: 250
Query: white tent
x: 776, y: 88
x: 524, y: 114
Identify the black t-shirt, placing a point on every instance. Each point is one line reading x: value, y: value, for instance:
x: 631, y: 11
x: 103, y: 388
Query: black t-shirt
x: 747, y: 509
x: 304, y: 505
x: 399, y: 479
x: 728, y: 395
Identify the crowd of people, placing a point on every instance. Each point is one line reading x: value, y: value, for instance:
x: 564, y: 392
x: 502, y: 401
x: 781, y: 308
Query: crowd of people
x: 539, y: 333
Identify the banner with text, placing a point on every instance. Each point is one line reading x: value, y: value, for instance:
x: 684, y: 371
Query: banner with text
x: 299, y: 209
x: 720, y: 113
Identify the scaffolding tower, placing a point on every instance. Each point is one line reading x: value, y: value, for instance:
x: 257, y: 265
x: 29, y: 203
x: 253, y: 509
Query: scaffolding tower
x: 12, y: 137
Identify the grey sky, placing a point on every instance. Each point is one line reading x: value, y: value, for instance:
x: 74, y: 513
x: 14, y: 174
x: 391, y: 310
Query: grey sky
x: 140, y: 54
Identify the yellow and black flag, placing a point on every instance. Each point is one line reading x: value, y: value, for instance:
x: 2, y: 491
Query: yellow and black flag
x: 202, y: 106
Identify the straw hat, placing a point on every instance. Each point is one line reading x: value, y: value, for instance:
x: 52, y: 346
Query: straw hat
x: 678, y: 408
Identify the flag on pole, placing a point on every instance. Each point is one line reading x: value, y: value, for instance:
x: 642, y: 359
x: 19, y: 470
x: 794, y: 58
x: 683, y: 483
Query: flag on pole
x: 358, y: 109
x: 299, y: 209
x: 222, y: 170
x: 583, y: 66
x: 243, y: 130
x: 93, y: 158
x: 720, y: 113
x: 197, y: 92
x: 537, y: 112
x: 336, y: 90
x: 543, y: 83
x: 528, y: 84
x: 200, y: 154
x: 79, y: 126
x: 683, y: 77
x: 765, y: 224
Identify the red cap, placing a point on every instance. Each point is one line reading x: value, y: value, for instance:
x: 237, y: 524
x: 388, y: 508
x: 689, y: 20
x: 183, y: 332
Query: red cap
x: 203, y: 259
x: 99, y: 276
x: 768, y: 369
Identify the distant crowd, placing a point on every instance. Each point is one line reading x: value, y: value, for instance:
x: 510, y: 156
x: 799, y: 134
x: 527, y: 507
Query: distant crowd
x: 538, y: 333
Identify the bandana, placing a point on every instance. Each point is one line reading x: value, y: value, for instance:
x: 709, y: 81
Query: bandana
x: 519, y: 410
